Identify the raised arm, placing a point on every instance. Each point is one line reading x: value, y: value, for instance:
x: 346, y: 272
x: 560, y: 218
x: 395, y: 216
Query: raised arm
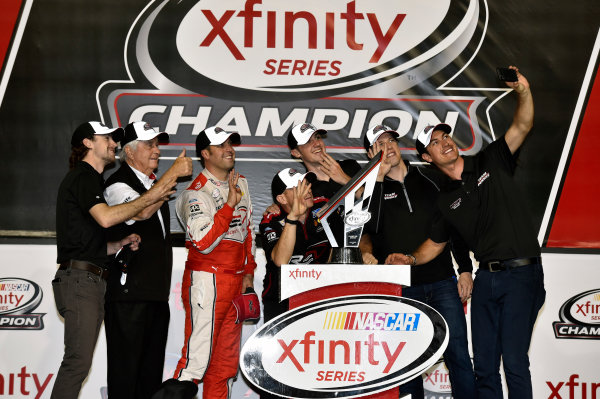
x: 108, y: 216
x: 523, y: 117
x: 284, y: 249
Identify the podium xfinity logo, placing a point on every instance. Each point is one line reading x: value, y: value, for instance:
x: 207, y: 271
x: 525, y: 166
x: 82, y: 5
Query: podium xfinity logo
x: 315, y: 350
x: 18, y: 297
x: 580, y: 317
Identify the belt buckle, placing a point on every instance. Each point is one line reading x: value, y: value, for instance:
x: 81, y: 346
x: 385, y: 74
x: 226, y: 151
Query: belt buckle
x: 495, y: 266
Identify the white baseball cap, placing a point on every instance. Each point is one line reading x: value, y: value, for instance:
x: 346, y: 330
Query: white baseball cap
x: 375, y: 131
x: 301, y: 134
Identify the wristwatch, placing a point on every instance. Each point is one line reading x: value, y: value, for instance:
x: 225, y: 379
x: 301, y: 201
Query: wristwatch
x: 414, y: 260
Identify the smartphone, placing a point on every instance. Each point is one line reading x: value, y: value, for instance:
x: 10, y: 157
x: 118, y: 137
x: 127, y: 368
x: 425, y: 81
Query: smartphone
x: 506, y: 74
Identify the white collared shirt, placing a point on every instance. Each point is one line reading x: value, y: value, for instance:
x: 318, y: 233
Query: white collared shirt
x: 121, y: 193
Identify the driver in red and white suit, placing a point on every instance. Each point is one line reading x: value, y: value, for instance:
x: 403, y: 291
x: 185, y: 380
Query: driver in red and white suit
x: 216, y: 212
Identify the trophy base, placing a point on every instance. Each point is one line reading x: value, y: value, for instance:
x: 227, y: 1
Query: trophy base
x: 345, y: 255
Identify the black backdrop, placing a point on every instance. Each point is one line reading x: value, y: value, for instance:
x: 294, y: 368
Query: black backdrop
x: 69, y: 48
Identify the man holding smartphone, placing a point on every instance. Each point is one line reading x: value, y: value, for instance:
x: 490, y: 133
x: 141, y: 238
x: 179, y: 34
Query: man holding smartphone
x: 483, y: 203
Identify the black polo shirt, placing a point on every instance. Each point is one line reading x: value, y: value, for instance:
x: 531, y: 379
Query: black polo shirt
x: 401, y: 217
x: 78, y: 235
x: 487, y: 208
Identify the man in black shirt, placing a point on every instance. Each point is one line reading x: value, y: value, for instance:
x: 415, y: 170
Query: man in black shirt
x: 293, y: 236
x: 83, y: 249
x: 402, y: 209
x: 483, y: 203
x: 137, y: 308
x: 306, y: 143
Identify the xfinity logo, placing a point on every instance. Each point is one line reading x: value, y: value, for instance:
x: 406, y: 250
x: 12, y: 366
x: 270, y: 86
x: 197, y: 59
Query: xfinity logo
x: 24, y: 383
x: 321, y: 29
x: 222, y: 49
x: 436, y: 382
x: 579, y: 317
x: 572, y: 389
x: 286, y: 43
x: 310, y: 274
x: 258, y: 67
x: 315, y: 350
x: 18, y: 298
x: 375, y: 351
x: 357, y: 218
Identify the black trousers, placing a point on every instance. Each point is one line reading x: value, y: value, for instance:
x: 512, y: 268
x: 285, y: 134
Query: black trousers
x: 136, y: 338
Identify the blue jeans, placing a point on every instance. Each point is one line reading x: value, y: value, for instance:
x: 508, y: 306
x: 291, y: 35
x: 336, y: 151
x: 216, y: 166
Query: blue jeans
x: 443, y: 297
x: 504, y: 307
x: 79, y: 298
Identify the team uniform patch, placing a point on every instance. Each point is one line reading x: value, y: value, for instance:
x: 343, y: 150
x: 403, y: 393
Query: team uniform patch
x: 482, y: 178
x: 456, y: 204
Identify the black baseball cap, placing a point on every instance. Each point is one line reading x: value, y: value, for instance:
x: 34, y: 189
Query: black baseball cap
x: 88, y: 130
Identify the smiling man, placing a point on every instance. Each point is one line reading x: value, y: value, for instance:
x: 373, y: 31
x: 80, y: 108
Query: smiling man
x: 306, y: 143
x: 216, y: 213
x: 137, y: 309
x: 483, y: 203
x: 402, y: 209
x: 82, y: 215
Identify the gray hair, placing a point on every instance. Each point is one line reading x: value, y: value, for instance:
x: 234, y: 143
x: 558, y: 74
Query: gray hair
x: 133, y: 145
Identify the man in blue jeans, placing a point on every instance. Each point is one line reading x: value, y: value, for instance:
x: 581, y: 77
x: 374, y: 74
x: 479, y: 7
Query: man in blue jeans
x: 482, y: 202
x: 402, y: 209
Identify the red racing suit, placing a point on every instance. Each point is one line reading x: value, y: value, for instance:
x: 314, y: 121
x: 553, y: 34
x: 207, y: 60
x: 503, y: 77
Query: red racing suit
x: 220, y: 252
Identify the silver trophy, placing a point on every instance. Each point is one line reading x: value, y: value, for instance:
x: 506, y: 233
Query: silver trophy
x: 346, y: 213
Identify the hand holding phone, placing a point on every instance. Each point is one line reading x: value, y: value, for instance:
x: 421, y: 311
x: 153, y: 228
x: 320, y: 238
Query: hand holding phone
x: 507, y: 74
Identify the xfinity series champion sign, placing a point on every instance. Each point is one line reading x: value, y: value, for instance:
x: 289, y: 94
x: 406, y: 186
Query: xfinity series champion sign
x: 250, y: 67
x: 258, y: 67
x: 344, y: 347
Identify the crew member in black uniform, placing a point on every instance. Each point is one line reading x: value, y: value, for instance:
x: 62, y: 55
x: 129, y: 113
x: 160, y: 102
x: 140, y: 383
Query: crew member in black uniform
x: 402, y: 209
x: 137, y: 308
x: 483, y: 203
x: 293, y: 236
x: 83, y: 249
x: 306, y: 143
